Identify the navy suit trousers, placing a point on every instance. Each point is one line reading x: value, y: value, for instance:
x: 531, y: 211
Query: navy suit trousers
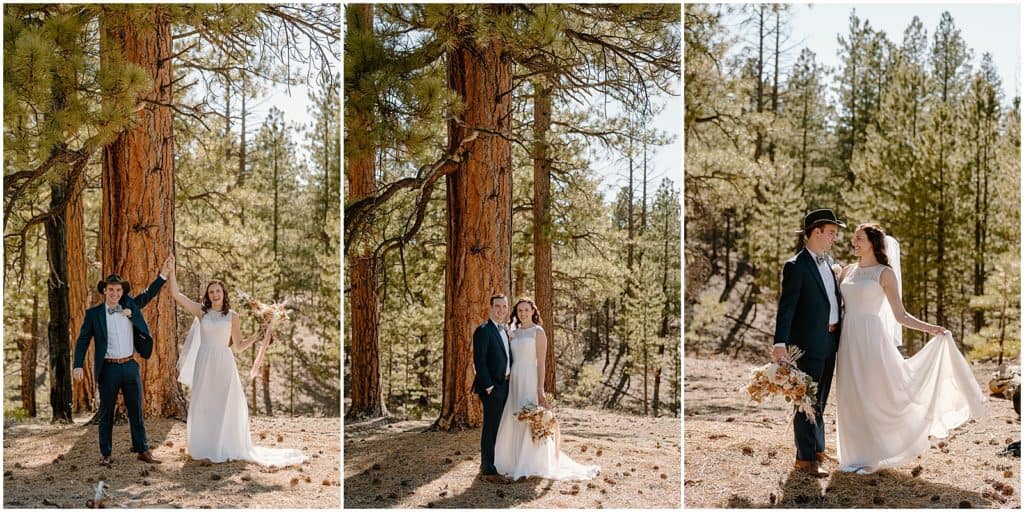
x: 123, y: 377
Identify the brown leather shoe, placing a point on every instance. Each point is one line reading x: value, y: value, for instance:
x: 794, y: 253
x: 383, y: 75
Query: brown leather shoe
x: 493, y: 479
x: 146, y: 456
x: 809, y: 467
x: 824, y: 457
x: 107, y: 461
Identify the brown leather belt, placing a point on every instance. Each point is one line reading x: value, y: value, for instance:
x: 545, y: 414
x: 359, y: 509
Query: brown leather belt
x: 833, y: 327
x: 120, y: 360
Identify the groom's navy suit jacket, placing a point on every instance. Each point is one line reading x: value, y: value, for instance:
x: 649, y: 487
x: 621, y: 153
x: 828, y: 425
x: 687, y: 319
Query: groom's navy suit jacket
x: 802, y: 319
x: 489, y: 359
x: 95, y: 327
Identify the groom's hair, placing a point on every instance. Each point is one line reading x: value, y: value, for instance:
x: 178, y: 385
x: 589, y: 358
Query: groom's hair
x: 818, y: 225
x: 498, y: 296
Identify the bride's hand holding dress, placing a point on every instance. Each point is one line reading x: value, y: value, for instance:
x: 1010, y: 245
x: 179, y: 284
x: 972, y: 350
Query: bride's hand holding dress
x: 891, y: 288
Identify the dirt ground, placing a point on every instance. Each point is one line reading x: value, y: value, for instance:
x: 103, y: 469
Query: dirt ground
x: 399, y: 464
x: 48, y: 466
x: 739, y: 455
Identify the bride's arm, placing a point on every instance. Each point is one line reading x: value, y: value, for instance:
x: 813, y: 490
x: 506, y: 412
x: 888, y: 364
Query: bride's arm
x: 542, y: 347
x: 236, y: 334
x: 889, y: 285
x: 192, y: 307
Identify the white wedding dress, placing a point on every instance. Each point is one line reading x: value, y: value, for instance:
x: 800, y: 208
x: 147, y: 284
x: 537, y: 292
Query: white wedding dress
x: 888, y: 406
x: 515, y: 453
x: 218, y: 415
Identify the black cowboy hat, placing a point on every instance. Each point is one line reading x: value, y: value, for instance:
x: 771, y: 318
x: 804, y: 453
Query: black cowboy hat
x: 114, y: 279
x: 817, y: 217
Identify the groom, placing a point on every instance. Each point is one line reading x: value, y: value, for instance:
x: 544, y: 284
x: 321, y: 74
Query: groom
x: 809, y: 318
x: 492, y: 361
x: 120, y: 331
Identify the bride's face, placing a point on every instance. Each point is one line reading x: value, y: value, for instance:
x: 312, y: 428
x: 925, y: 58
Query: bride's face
x: 525, y: 312
x: 860, y: 243
x: 216, y: 293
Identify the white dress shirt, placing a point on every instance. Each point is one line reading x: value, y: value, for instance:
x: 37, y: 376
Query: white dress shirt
x: 504, y: 343
x: 119, y: 335
x: 830, y: 286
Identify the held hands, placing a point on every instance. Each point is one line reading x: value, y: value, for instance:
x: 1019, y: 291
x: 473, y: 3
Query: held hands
x: 936, y: 330
x: 77, y: 374
x: 542, y: 399
x: 168, y: 268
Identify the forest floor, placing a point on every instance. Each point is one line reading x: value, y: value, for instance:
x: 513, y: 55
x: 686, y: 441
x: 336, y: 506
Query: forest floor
x: 401, y: 464
x: 739, y: 454
x: 49, y: 466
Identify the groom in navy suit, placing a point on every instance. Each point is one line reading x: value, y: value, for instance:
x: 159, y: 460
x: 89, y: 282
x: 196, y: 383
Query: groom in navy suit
x: 120, y: 331
x: 492, y: 361
x: 810, y: 310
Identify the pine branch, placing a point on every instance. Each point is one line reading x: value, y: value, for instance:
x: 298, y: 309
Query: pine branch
x: 358, y: 212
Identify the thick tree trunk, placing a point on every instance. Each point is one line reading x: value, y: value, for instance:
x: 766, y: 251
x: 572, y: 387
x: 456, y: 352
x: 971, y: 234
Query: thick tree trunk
x: 137, y: 223
x: 365, y: 391
x: 542, y: 227
x: 84, y: 391
x: 479, y: 230
x: 59, y: 328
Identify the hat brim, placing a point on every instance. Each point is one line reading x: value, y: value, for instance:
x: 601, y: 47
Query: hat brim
x: 818, y: 222
x: 102, y: 285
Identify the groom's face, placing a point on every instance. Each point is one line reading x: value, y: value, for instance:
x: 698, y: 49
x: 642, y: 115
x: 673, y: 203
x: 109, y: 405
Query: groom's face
x: 827, y: 235
x: 499, y: 310
x: 112, y: 293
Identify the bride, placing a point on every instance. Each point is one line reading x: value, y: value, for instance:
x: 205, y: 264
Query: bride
x: 516, y: 455
x: 888, y: 406
x: 218, y: 415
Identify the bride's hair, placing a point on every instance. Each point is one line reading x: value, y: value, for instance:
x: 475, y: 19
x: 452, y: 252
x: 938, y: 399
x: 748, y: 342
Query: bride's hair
x: 208, y: 304
x: 876, y: 235
x: 515, y: 312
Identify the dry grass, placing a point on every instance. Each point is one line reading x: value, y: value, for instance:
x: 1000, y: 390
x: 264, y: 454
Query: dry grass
x: 739, y: 455
x: 402, y: 465
x: 56, y: 465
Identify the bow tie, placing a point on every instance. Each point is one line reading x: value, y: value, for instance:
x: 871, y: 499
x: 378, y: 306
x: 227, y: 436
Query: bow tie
x: 819, y: 259
x: 112, y: 310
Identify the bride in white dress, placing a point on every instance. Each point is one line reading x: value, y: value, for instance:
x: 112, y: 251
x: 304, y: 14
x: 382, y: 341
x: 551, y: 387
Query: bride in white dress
x: 218, y: 415
x: 516, y: 455
x: 888, y: 406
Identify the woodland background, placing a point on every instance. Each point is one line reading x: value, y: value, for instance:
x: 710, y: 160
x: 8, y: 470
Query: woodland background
x: 128, y: 132
x: 913, y: 131
x: 515, y: 107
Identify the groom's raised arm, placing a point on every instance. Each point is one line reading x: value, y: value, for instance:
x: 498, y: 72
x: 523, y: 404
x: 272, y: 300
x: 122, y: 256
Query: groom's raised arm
x: 787, y: 302
x: 154, y: 288
x: 480, y: 359
x: 151, y: 291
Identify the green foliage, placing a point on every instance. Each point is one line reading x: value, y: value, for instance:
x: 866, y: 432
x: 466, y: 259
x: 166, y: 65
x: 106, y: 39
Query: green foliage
x: 1000, y: 337
x: 16, y: 415
x: 396, y: 73
x: 66, y: 96
x: 917, y: 142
